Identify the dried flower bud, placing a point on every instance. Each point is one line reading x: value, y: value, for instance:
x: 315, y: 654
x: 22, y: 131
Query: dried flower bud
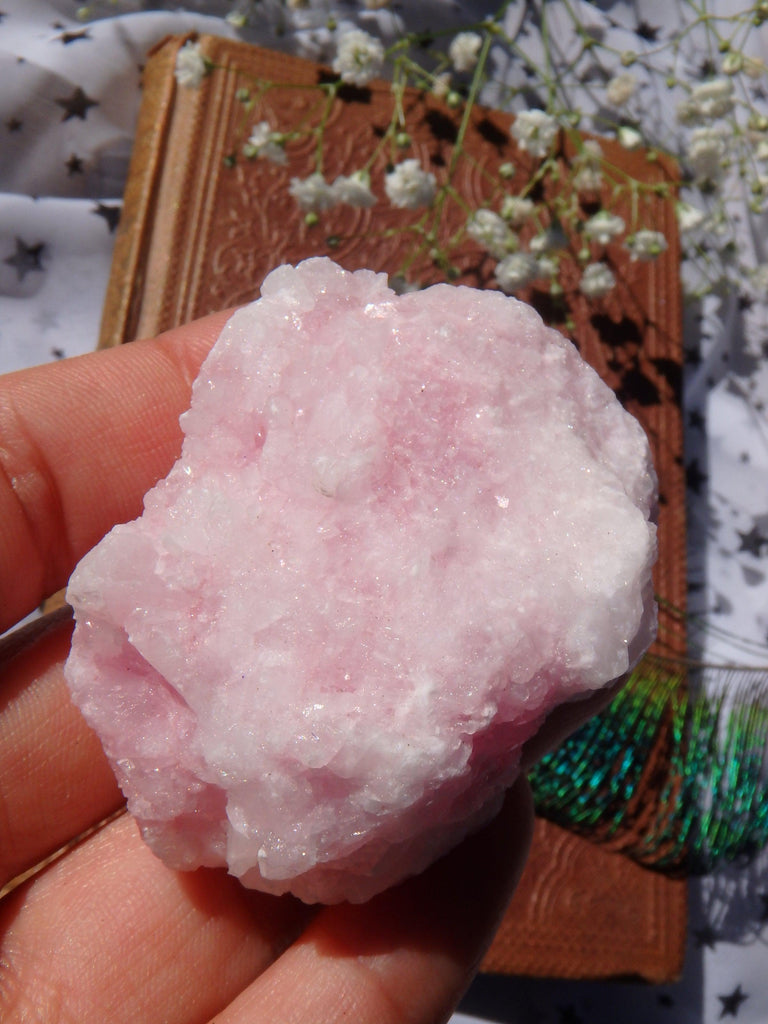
x: 733, y: 63
x: 620, y: 89
x: 596, y: 281
x: 629, y: 138
x: 464, y: 51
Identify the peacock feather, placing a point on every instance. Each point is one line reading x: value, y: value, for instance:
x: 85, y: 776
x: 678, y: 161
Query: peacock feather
x: 674, y: 773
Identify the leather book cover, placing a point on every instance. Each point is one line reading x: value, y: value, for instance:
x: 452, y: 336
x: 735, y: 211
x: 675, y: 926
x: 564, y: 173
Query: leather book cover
x: 201, y: 226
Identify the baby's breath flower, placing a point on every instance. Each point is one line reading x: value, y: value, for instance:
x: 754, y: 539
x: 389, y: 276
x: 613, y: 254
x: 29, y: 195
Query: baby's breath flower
x: 441, y: 85
x: 355, y: 189
x: 596, y: 281
x: 588, y: 176
x: 359, y: 57
x: 688, y: 217
x: 645, y: 245
x: 547, y: 267
x: 313, y: 194
x: 535, y: 132
x: 630, y: 138
x: 707, y: 102
x: 263, y: 142
x: 191, y: 66
x: 754, y: 67
x: 708, y: 152
x: 547, y: 241
x: 464, y: 51
x: 409, y: 186
x: 733, y: 63
x: 237, y: 19
x: 516, y: 271
x: 591, y: 151
x: 489, y: 230
x: 620, y: 89
x: 516, y: 210
x: 603, y: 227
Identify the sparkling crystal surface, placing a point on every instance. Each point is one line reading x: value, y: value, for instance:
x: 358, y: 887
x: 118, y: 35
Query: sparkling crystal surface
x: 401, y: 530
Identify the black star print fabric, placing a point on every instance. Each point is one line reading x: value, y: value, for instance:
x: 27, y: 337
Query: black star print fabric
x: 68, y: 104
x: 26, y: 258
x: 76, y: 105
x: 732, y: 1002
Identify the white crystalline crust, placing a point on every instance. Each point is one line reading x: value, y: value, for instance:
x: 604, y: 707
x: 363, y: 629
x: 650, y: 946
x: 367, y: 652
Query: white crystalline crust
x: 401, y: 530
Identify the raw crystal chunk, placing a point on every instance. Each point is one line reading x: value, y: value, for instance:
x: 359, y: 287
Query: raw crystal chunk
x: 401, y: 531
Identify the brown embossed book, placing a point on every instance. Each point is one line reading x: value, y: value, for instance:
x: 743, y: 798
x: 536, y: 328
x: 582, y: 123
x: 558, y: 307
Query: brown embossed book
x: 202, y: 224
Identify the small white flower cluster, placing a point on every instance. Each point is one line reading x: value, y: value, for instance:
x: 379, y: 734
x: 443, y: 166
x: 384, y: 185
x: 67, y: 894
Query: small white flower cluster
x: 720, y: 136
x: 588, y: 168
x: 629, y: 137
x: 516, y: 272
x: 314, y: 194
x: 517, y: 210
x: 535, y: 131
x: 621, y: 89
x: 359, y: 57
x: 517, y: 268
x: 191, y: 66
x: 464, y: 51
x: 645, y: 245
x: 603, y: 227
x: 355, y: 189
x: 707, y: 102
x: 708, y: 152
x: 492, y: 232
x: 409, y: 186
x: 597, y: 280
x: 705, y: 110
x: 263, y: 142
x: 689, y: 217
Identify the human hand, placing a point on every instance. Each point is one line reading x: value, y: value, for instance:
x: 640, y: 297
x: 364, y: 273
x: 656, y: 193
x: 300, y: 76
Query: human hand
x: 106, y: 933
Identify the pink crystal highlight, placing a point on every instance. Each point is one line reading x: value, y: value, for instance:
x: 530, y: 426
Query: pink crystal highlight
x: 401, y: 530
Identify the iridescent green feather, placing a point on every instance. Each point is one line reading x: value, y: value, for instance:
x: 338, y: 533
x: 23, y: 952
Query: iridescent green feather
x: 674, y: 773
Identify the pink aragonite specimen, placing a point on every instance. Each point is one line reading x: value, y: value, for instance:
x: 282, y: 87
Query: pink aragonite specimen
x: 401, y: 531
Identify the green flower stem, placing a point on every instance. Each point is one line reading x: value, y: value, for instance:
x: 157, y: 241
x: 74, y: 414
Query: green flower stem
x: 716, y: 266
x: 331, y: 92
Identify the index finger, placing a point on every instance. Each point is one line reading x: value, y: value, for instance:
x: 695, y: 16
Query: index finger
x: 81, y: 442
